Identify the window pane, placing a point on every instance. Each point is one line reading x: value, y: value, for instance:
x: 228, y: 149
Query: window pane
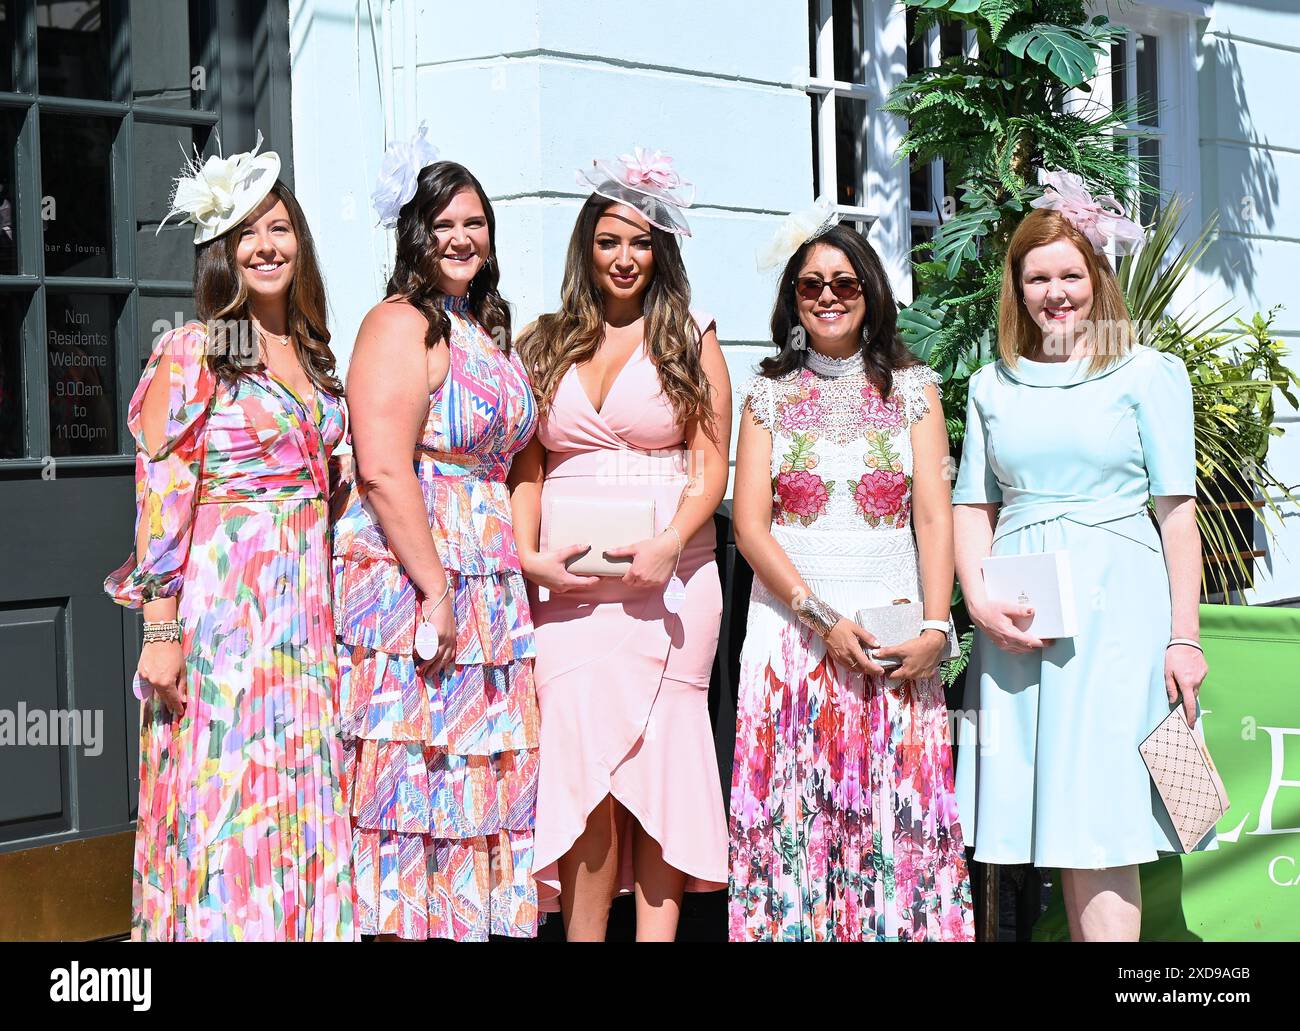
x: 159, y: 153
x: 8, y: 195
x: 1149, y: 173
x: 817, y: 147
x: 1119, y: 73
x: 72, y: 49
x: 952, y: 40
x: 159, y: 315
x: 850, y: 151
x: 13, y: 424
x: 165, y: 49
x: 82, y: 375
x: 922, y: 189
x: 916, y: 48
x: 813, y: 26
x: 1148, y: 87
x: 76, y: 211
x: 8, y: 11
x: 849, y: 37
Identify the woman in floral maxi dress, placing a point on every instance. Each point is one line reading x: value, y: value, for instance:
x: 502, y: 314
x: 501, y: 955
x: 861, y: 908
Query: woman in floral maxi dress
x: 843, y: 825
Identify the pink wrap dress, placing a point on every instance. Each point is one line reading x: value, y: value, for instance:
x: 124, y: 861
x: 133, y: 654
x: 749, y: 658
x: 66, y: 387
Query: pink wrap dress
x: 622, y: 683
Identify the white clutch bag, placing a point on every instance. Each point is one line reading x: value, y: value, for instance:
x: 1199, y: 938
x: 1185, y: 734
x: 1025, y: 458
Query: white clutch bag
x: 1186, y: 778
x: 894, y: 624
x: 1041, y: 581
x: 602, y: 523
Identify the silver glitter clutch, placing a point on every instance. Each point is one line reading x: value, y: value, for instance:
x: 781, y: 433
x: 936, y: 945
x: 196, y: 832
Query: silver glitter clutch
x: 894, y: 624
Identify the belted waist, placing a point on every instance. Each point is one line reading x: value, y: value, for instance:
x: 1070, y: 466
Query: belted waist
x: 1022, y: 508
x: 256, y: 491
x: 615, y: 466
x: 447, y: 463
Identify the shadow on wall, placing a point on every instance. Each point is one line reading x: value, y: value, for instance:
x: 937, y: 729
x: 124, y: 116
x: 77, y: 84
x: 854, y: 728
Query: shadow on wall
x: 1243, y: 183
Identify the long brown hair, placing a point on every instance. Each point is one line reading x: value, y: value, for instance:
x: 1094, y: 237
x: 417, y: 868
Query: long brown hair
x: 882, y: 349
x: 221, y: 296
x: 415, y: 268
x: 573, y: 334
x: 1019, y: 334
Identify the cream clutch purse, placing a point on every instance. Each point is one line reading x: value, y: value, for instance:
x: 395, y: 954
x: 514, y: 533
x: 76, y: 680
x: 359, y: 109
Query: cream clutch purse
x: 894, y: 624
x: 603, y: 523
x: 1185, y: 777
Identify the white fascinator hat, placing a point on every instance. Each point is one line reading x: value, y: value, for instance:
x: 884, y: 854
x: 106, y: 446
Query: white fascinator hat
x: 644, y: 180
x: 399, y: 174
x: 217, y: 194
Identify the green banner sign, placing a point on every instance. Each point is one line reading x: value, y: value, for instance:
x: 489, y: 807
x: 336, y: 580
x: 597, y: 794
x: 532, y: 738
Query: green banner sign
x: 1247, y: 887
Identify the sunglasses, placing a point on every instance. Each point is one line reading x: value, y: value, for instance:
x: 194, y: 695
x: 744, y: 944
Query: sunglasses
x: 845, y: 288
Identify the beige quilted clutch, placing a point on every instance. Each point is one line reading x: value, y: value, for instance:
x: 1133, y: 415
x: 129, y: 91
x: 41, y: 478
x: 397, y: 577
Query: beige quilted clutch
x: 1185, y: 777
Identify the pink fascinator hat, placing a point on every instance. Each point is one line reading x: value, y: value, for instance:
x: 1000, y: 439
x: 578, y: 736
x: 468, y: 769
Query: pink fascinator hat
x: 644, y: 180
x: 1100, y: 219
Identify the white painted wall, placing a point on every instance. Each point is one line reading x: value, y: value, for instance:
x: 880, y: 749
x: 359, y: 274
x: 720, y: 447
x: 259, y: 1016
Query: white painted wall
x: 524, y: 92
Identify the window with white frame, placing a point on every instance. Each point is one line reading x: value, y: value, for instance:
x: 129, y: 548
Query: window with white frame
x: 1151, y: 70
x: 841, y: 100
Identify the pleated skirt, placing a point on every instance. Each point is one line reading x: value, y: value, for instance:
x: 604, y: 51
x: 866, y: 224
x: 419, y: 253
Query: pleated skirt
x: 242, y: 832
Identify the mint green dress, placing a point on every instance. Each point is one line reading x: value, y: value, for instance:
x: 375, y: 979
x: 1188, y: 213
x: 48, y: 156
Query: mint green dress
x: 1072, y: 457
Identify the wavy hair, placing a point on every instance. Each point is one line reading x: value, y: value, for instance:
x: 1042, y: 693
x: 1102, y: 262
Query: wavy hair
x: 572, y: 335
x: 1019, y: 334
x: 883, y: 351
x: 220, y: 296
x: 415, y: 267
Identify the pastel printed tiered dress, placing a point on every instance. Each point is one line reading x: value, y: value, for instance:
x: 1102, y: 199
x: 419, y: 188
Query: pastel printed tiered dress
x: 622, y: 682
x: 241, y: 834
x: 843, y: 821
x: 442, y: 770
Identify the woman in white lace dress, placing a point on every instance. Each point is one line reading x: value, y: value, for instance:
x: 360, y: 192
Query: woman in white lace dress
x: 843, y: 822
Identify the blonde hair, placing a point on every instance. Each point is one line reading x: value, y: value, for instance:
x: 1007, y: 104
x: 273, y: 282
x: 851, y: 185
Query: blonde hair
x: 1019, y: 334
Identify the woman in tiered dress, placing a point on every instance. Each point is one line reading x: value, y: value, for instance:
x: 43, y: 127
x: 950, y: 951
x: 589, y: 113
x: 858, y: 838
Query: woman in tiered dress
x: 441, y: 743
x: 242, y: 834
x: 843, y: 825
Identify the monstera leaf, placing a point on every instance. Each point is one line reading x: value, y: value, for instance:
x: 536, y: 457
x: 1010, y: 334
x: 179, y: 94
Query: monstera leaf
x: 1068, y: 53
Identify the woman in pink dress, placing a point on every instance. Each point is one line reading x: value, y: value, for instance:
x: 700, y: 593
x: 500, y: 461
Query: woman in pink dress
x: 635, y: 403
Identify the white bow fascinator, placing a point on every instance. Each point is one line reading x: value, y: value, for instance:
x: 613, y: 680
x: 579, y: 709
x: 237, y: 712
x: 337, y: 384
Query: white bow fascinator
x: 1100, y: 219
x: 796, y: 229
x: 399, y: 174
x: 217, y: 194
x: 647, y: 181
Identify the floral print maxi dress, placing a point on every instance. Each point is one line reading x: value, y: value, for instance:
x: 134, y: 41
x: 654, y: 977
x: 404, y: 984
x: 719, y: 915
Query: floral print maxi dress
x: 843, y: 821
x: 242, y: 833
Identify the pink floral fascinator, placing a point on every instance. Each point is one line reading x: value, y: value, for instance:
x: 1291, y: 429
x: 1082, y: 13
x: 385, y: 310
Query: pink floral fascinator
x: 1100, y: 219
x: 644, y: 180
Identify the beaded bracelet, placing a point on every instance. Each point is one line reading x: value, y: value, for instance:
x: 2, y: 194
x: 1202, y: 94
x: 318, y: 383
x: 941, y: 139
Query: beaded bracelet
x: 162, y: 632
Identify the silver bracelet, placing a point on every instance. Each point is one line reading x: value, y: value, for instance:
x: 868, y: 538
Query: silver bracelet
x: 817, y: 615
x: 1187, y: 641
x: 162, y: 632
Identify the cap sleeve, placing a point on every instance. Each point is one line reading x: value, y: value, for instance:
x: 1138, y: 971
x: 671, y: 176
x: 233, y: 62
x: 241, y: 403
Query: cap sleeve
x: 703, y: 321
x: 760, y: 399
x: 166, y: 481
x: 1165, y: 426
x: 977, y: 483
x: 910, y: 384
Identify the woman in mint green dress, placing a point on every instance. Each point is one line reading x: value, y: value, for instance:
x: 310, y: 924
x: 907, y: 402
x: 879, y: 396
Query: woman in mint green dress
x: 1067, y: 437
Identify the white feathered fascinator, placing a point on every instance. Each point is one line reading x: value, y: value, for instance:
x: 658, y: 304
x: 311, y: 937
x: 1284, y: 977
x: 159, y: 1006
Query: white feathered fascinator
x: 795, y: 230
x: 399, y: 175
x: 217, y: 194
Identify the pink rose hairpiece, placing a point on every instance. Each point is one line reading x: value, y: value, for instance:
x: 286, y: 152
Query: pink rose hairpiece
x: 647, y: 181
x: 1100, y: 219
x: 399, y: 175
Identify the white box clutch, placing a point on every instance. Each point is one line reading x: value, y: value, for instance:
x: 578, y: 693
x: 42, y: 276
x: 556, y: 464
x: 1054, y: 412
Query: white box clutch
x: 602, y: 523
x: 1043, y: 582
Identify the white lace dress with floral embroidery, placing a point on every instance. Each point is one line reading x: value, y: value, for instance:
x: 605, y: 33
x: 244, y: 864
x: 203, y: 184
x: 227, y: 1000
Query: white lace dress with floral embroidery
x: 843, y: 819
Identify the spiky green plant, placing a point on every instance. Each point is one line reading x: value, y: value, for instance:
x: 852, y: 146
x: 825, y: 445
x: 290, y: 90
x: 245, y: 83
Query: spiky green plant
x: 1234, y: 366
